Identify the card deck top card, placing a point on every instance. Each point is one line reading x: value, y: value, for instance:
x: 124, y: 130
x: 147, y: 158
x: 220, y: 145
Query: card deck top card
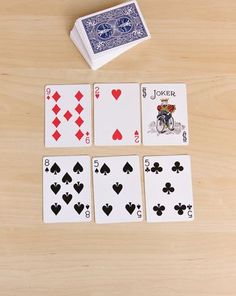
x: 112, y: 28
x: 104, y: 35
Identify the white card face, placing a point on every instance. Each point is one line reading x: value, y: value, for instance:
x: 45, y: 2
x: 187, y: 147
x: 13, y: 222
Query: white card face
x: 117, y: 114
x: 66, y: 189
x: 68, y: 115
x: 168, y: 188
x: 117, y: 189
x: 164, y: 114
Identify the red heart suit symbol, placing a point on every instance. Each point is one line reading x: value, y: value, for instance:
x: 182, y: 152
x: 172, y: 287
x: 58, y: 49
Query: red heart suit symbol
x: 116, y: 93
x: 117, y: 135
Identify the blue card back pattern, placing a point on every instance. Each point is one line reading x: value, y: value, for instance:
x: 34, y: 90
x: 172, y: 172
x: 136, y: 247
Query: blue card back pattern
x: 114, y: 28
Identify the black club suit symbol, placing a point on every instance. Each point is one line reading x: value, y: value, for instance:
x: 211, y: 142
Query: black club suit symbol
x: 168, y: 188
x: 156, y: 168
x: 180, y: 208
x: 177, y: 167
x: 159, y: 209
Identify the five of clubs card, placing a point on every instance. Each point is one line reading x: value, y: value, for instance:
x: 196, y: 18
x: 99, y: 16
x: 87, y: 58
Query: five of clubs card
x: 168, y: 188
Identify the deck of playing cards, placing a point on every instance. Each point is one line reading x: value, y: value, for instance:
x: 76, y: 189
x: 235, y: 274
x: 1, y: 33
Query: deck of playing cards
x: 104, y: 35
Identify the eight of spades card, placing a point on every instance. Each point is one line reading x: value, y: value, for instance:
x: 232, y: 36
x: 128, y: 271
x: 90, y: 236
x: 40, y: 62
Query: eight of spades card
x: 68, y: 115
x: 168, y: 188
x: 117, y: 189
x: 117, y: 114
x: 66, y: 189
x: 164, y: 114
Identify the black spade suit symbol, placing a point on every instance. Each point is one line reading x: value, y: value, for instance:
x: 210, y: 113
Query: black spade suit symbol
x: 78, y: 168
x: 130, y: 208
x: 127, y: 168
x: 67, y: 178
x: 55, y: 187
x: 117, y: 187
x: 55, y: 169
x: 105, y: 170
x: 67, y: 197
x: 78, y: 187
x: 56, y: 208
x: 79, y: 207
x: 107, y: 209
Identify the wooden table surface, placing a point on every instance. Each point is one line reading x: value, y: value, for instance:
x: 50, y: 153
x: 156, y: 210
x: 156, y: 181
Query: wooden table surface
x: 192, y: 42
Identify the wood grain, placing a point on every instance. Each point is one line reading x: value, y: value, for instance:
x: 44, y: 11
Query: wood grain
x: 192, y: 42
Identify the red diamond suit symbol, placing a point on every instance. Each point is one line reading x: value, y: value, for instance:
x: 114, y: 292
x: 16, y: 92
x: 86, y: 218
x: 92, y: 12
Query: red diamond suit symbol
x: 79, y: 108
x: 56, y: 96
x: 56, y: 109
x: 56, y: 135
x: 79, y: 135
x: 79, y: 121
x: 79, y: 95
x: 56, y: 122
x: 67, y: 115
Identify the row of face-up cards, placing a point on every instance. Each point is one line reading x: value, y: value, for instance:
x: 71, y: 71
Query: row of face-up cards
x: 119, y: 112
x: 104, y: 35
x: 117, y: 191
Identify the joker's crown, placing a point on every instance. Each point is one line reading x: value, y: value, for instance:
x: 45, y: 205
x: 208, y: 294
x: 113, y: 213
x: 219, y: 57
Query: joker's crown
x: 164, y: 100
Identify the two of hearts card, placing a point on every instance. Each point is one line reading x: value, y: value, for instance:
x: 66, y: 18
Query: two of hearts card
x: 104, y: 35
x: 123, y: 114
x: 117, y: 190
